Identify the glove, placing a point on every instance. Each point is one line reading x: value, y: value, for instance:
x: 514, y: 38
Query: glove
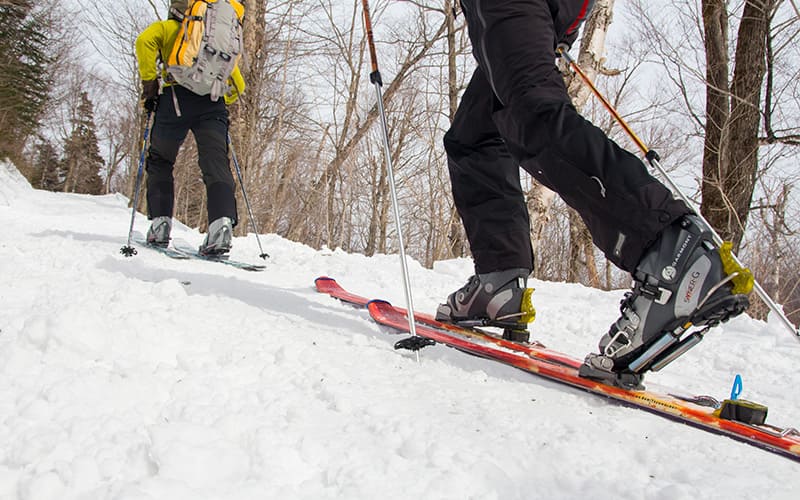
x: 566, y: 43
x: 150, y: 94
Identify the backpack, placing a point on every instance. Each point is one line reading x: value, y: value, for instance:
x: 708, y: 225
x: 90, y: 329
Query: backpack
x: 208, y: 46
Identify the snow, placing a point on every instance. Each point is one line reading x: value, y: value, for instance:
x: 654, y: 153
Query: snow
x: 151, y: 378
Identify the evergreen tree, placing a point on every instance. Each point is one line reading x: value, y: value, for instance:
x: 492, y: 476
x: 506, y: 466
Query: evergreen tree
x: 25, y: 78
x: 82, y: 158
x: 48, y: 172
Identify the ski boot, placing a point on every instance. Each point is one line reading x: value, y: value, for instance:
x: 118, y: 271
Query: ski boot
x: 158, y: 234
x: 218, y: 239
x: 684, y: 280
x: 497, y: 299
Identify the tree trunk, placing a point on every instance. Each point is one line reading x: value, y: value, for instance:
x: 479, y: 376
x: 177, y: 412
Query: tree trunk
x: 748, y: 78
x: 730, y: 161
x: 715, y: 24
x: 457, y: 245
x: 591, y: 61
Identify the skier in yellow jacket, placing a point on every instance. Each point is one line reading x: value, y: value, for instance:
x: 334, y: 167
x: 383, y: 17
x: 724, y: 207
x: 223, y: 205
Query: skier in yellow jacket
x: 178, y: 110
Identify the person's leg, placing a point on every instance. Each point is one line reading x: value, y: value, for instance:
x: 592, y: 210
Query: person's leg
x: 623, y: 206
x: 210, y: 131
x: 486, y: 185
x: 487, y: 193
x: 680, y: 278
x: 209, y: 124
x: 166, y: 137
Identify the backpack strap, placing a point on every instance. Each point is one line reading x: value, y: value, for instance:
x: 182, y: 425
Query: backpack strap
x: 175, y: 14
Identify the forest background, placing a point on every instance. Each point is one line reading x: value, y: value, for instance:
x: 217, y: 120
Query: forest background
x: 713, y: 86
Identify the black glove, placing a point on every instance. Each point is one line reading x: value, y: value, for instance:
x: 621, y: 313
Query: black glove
x: 566, y: 43
x: 150, y: 94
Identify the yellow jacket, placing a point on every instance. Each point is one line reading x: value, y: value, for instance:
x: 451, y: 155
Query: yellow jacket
x: 156, y: 42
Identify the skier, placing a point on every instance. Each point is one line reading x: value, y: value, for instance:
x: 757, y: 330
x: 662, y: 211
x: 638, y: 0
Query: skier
x: 178, y: 110
x: 516, y: 112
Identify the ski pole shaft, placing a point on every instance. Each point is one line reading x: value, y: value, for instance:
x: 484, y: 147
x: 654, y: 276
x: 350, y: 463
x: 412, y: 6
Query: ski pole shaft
x: 263, y: 254
x: 653, y: 159
x: 128, y: 250
x: 603, y: 100
x: 375, y: 78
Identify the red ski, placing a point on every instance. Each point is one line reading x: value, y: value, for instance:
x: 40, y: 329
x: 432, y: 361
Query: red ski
x: 698, y: 411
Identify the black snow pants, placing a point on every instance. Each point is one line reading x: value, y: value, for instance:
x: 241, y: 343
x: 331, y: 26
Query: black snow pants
x: 208, y: 121
x: 516, y: 112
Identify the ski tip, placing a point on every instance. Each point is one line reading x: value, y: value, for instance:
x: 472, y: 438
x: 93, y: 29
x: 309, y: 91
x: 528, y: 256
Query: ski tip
x: 325, y: 284
x: 378, y: 303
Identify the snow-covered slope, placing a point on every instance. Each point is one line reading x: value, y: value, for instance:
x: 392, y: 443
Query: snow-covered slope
x: 152, y: 378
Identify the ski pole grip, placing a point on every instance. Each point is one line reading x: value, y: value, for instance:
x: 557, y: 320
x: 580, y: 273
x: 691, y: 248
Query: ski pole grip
x: 373, y: 56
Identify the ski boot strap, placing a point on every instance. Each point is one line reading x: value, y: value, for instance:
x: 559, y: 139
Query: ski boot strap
x: 527, y: 314
x: 742, y: 278
x: 526, y: 307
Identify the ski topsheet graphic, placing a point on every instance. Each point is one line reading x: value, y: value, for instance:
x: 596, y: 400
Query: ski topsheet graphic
x: 742, y: 421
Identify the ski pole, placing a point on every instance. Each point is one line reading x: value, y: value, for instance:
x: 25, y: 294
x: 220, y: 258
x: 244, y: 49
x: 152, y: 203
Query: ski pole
x: 263, y: 254
x: 653, y: 158
x: 128, y: 250
x: 375, y: 78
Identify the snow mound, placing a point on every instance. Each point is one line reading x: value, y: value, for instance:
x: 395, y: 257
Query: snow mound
x: 12, y: 183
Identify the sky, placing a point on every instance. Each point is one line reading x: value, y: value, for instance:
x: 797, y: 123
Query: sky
x: 149, y: 378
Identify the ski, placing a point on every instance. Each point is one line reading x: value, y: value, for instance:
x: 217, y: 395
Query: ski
x: 328, y: 285
x: 191, y: 251
x: 183, y: 251
x: 702, y: 412
x: 140, y: 240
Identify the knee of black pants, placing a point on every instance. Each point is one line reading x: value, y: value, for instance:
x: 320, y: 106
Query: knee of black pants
x: 161, y: 158
x: 451, y: 146
x: 212, y: 150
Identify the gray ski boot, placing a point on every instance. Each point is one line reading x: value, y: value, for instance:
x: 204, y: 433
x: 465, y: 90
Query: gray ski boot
x: 218, y: 239
x: 498, y: 299
x: 158, y: 234
x: 684, y: 280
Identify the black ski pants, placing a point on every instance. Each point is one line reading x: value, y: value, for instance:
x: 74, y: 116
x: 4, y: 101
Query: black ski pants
x: 208, y: 121
x: 516, y: 112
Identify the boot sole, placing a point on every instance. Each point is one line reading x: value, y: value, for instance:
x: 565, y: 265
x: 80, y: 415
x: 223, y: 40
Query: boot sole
x: 710, y: 315
x: 720, y: 311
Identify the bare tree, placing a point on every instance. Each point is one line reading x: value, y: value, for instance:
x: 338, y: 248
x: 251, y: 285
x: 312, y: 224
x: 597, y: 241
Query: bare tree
x: 733, y: 115
x: 591, y: 59
x: 777, y: 258
x: 121, y: 122
x: 741, y: 45
x: 346, y: 44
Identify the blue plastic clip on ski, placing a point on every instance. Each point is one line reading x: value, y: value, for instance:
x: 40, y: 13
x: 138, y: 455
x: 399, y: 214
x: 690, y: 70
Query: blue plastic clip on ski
x: 736, y: 390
